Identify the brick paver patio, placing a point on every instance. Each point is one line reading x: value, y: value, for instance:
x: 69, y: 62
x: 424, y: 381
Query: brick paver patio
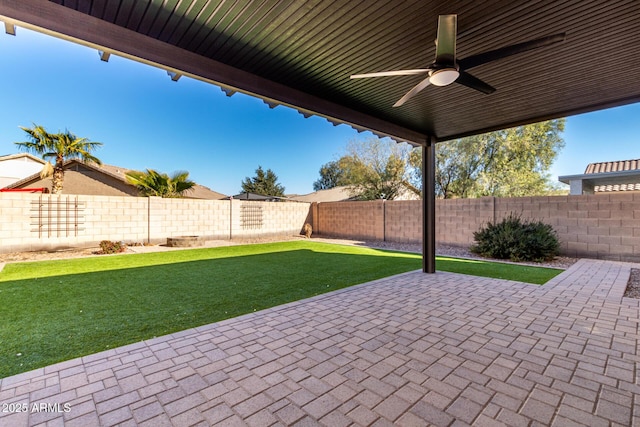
x: 413, y: 350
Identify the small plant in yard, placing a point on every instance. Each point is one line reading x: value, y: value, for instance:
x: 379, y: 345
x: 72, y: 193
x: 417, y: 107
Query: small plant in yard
x: 109, y: 247
x: 517, y: 240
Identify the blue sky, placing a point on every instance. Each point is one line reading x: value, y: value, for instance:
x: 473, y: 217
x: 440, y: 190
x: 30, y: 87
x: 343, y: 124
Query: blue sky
x: 147, y: 121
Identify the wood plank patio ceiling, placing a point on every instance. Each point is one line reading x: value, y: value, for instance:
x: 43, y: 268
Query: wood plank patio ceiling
x: 310, y: 47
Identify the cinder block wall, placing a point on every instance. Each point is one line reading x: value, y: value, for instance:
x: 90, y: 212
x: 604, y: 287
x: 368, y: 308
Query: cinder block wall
x: 278, y: 218
x: 98, y: 218
x: 403, y: 221
x: 357, y: 220
x: 110, y: 218
x: 604, y: 226
x: 135, y: 219
x: 188, y: 217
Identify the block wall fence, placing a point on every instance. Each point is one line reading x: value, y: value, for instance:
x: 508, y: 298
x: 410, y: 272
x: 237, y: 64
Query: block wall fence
x: 603, y: 226
x: 46, y: 222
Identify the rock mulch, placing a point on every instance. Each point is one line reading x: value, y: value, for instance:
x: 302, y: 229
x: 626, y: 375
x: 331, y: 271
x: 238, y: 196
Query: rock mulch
x: 47, y: 255
x: 633, y: 286
x: 463, y: 252
x: 454, y: 251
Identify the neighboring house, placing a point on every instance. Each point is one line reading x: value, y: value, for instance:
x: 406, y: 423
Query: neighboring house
x: 104, y: 180
x: 202, y: 192
x: 336, y: 194
x: 342, y: 194
x: 406, y: 194
x: 15, y: 167
x: 257, y: 197
x: 623, y: 175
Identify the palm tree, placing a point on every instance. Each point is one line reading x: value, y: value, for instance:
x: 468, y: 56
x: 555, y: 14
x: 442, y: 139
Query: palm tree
x: 152, y: 183
x: 60, y: 147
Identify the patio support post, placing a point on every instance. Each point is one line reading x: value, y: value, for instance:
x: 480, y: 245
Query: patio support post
x: 429, y: 205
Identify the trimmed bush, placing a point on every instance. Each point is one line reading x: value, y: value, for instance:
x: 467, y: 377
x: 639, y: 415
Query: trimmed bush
x: 109, y: 247
x: 517, y: 240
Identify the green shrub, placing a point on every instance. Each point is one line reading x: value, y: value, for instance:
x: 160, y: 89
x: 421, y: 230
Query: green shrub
x: 517, y: 240
x: 109, y: 247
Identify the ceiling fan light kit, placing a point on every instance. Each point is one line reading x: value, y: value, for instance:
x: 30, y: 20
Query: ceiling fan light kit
x: 443, y: 77
x: 446, y: 69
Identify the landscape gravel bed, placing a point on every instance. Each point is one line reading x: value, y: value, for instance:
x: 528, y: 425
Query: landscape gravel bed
x: 452, y: 251
x: 444, y: 250
x: 633, y: 286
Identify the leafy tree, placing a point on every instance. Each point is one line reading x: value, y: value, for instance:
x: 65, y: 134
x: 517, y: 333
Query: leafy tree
x: 265, y: 183
x: 373, y: 169
x: 331, y: 175
x: 458, y: 164
x: 520, y: 159
x: 368, y: 181
x: 507, y: 163
x: 414, y: 183
x: 152, y: 183
x: 60, y: 147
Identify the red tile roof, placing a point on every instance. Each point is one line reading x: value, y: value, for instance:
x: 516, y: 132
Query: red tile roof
x: 616, y: 187
x: 621, y: 165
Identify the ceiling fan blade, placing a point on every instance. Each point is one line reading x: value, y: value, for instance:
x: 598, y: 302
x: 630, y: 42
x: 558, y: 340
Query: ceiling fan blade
x: 503, y: 52
x: 446, y: 41
x: 468, y: 80
x: 424, y: 83
x: 391, y: 73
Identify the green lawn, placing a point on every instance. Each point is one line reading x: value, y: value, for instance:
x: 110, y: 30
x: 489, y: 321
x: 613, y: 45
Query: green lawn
x: 57, y: 310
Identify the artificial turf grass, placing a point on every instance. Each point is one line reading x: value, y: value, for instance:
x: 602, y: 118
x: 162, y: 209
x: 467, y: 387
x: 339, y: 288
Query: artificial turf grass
x: 497, y: 270
x: 57, y: 310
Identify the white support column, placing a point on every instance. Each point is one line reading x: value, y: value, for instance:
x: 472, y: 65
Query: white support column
x: 578, y: 187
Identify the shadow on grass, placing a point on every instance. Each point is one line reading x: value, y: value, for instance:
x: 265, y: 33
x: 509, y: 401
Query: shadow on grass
x: 45, y: 320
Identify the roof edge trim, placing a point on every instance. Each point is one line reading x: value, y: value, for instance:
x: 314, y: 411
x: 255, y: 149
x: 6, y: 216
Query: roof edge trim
x: 62, y: 22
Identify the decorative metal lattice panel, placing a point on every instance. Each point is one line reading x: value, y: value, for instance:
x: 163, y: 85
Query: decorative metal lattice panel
x: 56, y: 216
x: 250, y: 216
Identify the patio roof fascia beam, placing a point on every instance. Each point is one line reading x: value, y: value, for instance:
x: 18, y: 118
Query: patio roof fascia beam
x: 68, y: 24
x: 429, y: 205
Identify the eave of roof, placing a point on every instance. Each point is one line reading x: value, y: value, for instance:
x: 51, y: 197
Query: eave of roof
x: 36, y: 176
x: 604, y: 178
x: 89, y: 31
x: 118, y: 173
x: 21, y: 155
x: 300, y: 54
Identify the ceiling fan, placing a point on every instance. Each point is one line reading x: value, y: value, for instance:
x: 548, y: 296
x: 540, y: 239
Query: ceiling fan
x: 446, y: 69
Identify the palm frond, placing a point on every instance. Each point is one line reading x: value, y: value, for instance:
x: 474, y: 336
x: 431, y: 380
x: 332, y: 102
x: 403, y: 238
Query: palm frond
x: 47, y: 170
x: 153, y: 183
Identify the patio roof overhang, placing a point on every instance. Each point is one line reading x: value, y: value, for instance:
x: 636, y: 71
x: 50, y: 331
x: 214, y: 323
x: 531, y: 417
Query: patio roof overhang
x: 301, y: 53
